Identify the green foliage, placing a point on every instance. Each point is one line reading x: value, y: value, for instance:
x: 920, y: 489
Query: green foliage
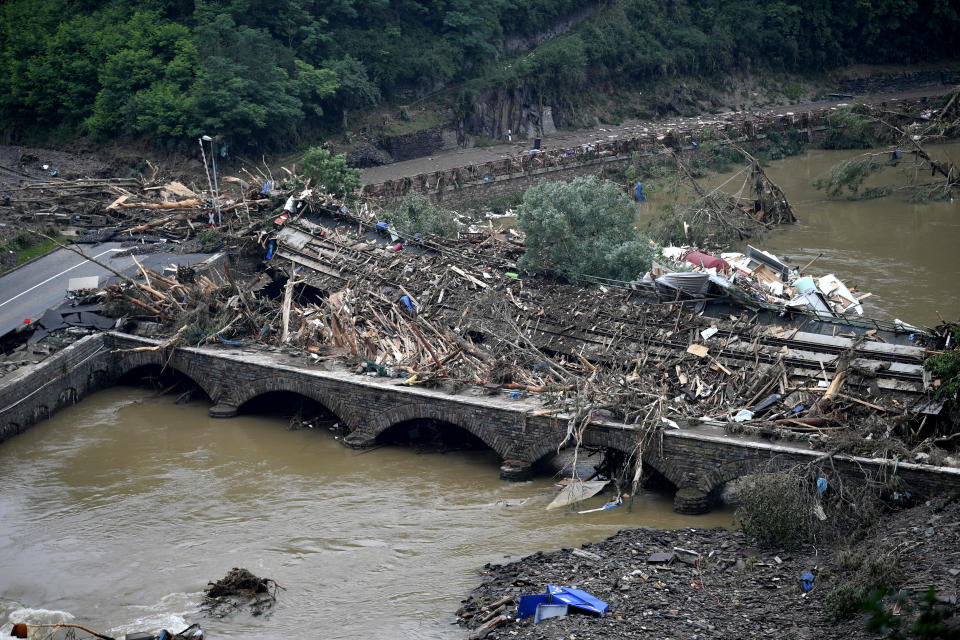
x: 501, y: 204
x: 19, y: 242
x: 874, y: 573
x: 356, y: 90
x: 776, y: 510
x: 416, y: 214
x: 782, y: 145
x: 853, y: 128
x: 931, y: 623
x: 793, y: 92
x: 258, y: 73
x: 331, y: 171
x: 210, y: 240
x: 946, y: 368
x: 849, y: 175
x: 582, y: 228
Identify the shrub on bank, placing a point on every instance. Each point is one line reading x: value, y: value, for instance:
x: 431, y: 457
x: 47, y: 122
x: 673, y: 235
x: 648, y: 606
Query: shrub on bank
x: 777, y: 510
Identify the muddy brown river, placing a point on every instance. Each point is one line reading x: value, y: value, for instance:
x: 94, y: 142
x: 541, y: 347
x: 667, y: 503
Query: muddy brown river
x: 905, y: 254
x: 120, y: 509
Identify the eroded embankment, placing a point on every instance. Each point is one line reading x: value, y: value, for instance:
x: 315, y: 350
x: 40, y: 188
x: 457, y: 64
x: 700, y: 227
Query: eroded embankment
x: 724, y: 587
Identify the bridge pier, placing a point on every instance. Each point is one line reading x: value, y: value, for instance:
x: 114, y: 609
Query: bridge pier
x: 222, y: 410
x: 691, y: 500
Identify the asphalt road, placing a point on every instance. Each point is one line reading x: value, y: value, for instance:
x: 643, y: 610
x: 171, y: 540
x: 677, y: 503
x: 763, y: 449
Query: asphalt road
x: 32, y: 289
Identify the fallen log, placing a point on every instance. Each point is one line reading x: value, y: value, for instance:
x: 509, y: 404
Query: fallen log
x: 182, y: 204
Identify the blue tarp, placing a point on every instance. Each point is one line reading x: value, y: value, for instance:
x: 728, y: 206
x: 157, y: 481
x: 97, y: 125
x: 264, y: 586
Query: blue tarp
x: 577, y: 599
x: 528, y: 604
x: 573, y: 598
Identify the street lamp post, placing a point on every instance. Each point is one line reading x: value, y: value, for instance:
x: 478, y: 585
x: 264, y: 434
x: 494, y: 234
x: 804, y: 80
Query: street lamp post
x: 216, y: 187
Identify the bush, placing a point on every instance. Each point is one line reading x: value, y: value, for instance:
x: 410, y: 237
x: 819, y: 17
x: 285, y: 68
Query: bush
x: 416, y: 214
x: 876, y: 573
x: 946, y: 367
x: 853, y: 128
x: 582, y: 228
x: 331, y: 172
x: 776, y: 510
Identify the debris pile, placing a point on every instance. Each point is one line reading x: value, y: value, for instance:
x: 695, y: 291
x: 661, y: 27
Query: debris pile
x: 240, y: 589
x: 429, y: 311
x: 338, y: 283
x: 718, y: 218
x: 760, y: 276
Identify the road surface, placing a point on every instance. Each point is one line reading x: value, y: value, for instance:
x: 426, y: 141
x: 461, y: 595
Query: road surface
x: 32, y: 289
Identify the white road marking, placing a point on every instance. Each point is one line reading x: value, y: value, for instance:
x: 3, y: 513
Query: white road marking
x: 80, y: 264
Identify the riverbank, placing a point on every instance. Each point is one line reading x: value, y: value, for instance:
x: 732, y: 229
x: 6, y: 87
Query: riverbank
x: 728, y: 588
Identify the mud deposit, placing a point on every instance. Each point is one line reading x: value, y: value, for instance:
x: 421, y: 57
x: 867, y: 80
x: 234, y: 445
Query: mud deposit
x: 736, y: 591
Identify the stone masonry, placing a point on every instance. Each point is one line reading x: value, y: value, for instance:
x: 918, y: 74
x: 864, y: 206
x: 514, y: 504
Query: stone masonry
x: 696, y: 459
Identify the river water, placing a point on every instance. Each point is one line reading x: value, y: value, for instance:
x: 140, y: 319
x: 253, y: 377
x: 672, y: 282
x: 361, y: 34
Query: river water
x: 905, y: 254
x: 119, y: 511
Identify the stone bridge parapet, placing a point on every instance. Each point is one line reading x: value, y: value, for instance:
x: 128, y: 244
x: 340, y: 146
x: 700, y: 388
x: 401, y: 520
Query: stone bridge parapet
x: 697, y: 459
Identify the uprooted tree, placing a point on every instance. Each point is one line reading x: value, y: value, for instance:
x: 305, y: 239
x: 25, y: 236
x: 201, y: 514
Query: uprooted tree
x: 720, y: 218
x: 861, y: 126
x: 585, y: 227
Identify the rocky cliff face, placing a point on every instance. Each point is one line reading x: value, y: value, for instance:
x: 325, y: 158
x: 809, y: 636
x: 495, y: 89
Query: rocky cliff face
x: 516, y: 110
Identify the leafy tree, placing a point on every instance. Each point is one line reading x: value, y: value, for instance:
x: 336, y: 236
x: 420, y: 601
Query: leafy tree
x: 331, y: 171
x: 258, y: 72
x: 356, y: 90
x: 582, y: 228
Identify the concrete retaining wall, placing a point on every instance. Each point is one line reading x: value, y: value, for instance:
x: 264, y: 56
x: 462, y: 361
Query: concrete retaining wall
x: 489, y: 180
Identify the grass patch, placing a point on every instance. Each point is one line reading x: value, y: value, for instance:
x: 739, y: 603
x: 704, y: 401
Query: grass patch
x: 26, y: 246
x: 415, y: 121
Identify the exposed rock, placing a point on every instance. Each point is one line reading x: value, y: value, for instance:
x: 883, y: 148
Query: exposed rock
x: 367, y: 156
x: 515, y: 109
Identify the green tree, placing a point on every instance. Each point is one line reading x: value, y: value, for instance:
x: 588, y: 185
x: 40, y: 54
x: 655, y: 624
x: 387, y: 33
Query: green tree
x: 331, y: 171
x: 582, y: 228
x: 356, y: 90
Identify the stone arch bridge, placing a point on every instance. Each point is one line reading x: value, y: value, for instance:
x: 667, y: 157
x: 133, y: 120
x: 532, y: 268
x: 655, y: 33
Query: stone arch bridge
x: 697, y: 460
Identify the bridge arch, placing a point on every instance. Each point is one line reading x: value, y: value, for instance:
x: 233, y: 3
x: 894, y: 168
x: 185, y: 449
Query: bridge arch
x: 131, y: 367
x: 263, y: 386
x: 626, y: 443
x: 379, y: 424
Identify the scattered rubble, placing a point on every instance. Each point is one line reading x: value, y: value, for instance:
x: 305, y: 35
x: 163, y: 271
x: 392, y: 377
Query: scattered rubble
x: 712, y: 583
